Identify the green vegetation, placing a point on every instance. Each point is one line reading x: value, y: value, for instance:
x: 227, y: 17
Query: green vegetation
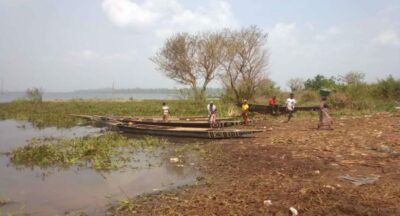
x: 57, y: 114
x: 349, y: 93
x: 19, y: 213
x: 109, y: 151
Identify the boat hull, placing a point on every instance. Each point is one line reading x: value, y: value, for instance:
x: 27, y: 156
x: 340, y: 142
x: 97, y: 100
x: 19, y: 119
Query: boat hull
x: 186, y: 132
x: 172, y: 123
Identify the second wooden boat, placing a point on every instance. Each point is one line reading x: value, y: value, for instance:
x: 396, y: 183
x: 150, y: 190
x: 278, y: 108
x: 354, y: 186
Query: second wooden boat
x: 265, y: 109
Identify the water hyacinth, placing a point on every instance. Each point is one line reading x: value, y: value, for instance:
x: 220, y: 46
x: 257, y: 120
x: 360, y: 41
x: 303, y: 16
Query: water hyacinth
x: 105, y: 152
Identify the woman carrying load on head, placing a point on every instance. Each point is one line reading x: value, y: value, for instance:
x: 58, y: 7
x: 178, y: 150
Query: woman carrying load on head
x: 324, y: 118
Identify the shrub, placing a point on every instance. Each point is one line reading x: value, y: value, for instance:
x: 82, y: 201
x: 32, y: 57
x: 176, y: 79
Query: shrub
x: 34, y: 94
x: 388, y: 88
x: 309, y: 96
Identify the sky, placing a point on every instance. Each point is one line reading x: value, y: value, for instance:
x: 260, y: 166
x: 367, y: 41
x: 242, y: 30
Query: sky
x: 67, y: 45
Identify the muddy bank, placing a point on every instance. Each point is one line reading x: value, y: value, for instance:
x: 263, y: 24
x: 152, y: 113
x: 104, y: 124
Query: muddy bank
x: 352, y: 170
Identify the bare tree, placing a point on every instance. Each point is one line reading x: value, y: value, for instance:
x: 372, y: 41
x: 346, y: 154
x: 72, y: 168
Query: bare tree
x: 191, y: 60
x: 245, y: 61
x: 295, y: 84
x: 209, y: 54
x: 177, y: 59
x: 195, y: 60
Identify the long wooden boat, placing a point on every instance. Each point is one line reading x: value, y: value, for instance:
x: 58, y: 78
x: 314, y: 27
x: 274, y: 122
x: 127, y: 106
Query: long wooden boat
x: 265, y: 109
x: 183, y: 123
x: 208, y: 133
x: 204, y: 118
x: 173, y: 123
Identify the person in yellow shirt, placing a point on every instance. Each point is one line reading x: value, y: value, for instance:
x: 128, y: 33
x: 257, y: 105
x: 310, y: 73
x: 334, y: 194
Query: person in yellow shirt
x: 245, y: 112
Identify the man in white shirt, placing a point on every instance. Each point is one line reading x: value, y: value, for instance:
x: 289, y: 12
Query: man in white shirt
x: 165, y: 109
x: 290, y: 105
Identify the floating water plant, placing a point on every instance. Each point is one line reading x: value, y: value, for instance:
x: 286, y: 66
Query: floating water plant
x: 109, y: 151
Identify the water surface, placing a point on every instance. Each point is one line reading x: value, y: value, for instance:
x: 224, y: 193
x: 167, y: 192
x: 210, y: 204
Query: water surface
x: 54, y: 191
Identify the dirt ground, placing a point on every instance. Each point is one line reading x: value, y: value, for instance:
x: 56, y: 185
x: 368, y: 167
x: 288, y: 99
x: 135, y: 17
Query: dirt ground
x: 294, y: 165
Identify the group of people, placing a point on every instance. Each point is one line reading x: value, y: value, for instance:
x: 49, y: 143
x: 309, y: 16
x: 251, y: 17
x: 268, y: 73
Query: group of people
x: 290, y: 105
x: 324, y: 118
x: 212, y: 112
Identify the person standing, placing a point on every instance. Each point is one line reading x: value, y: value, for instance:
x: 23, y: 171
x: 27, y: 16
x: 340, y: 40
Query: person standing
x: 245, y: 112
x: 324, y: 118
x: 274, y: 104
x: 290, y: 106
x: 165, y: 109
x: 212, y: 113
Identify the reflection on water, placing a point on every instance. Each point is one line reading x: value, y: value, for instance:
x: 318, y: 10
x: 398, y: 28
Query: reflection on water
x: 56, y: 190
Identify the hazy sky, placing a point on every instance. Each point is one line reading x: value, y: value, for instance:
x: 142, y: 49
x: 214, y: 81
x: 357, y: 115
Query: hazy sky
x: 65, y: 45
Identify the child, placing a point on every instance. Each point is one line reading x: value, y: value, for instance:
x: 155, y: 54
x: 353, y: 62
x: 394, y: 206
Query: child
x: 212, y: 113
x: 165, y: 109
x: 245, y: 111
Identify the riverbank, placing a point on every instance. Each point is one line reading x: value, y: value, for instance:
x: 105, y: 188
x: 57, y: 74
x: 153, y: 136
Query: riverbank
x: 288, y: 165
x: 352, y: 170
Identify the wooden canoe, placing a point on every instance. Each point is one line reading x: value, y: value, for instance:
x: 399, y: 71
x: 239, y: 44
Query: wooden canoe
x: 204, y: 118
x: 173, y: 123
x: 182, y: 123
x: 208, y: 133
x: 265, y: 109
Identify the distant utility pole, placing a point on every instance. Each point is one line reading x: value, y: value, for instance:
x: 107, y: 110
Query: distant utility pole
x: 112, y: 88
x: 2, y: 85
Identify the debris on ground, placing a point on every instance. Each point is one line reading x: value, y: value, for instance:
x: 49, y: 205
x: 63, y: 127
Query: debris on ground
x: 360, y: 180
x: 174, y: 160
x: 293, y: 211
x: 267, y: 202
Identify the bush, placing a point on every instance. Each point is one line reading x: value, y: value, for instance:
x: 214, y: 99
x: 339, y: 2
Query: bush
x: 338, y: 100
x: 34, y: 95
x: 388, y: 88
x: 309, y: 96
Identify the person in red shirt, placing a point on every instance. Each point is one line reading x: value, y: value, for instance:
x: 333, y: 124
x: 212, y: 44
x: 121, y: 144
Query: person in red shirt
x: 274, y: 104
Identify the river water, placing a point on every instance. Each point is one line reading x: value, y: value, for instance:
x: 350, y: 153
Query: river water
x: 10, y: 96
x: 54, y: 191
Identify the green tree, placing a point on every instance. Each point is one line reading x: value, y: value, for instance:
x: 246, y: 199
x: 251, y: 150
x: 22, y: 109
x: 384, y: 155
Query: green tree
x: 318, y: 82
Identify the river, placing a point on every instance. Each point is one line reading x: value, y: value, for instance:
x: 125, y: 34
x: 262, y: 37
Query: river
x: 57, y: 190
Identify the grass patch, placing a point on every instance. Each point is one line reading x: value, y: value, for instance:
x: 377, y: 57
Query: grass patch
x: 55, y: 113
x: 106, y: 152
